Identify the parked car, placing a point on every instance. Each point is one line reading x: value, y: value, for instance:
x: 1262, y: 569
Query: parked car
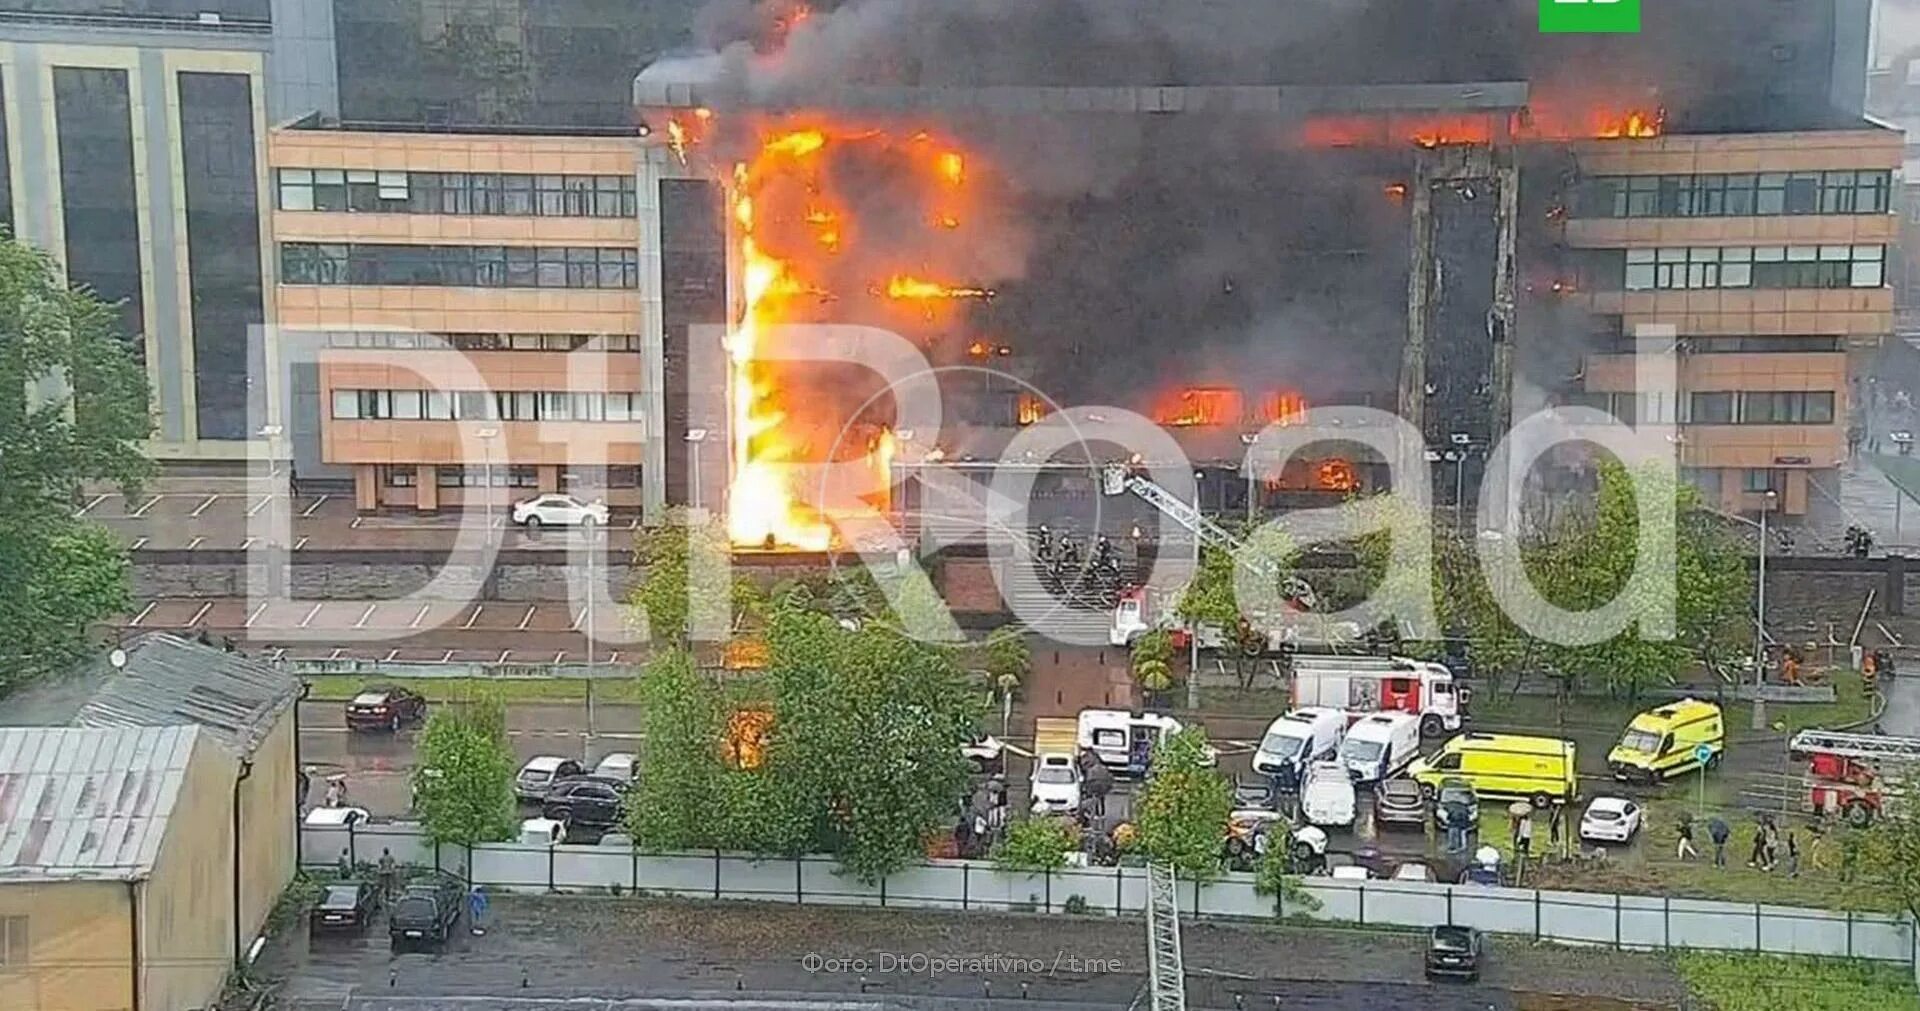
x: 1056, y: 784
x: 336, y: 817
x: 345, y: 906
x: 985, y: 755
x: 1327, y: 799
x: 620, y: 839
x: 556, y: 509
x: 1456, y: 799
x: 1413, y: 872
x: 617, y: 766
x: 542, y: 832
x: 1254, y: 793
x: 1397, y: 803
x: 1455, y: 951
x: 425, y: 913
x: 1610, y: 819
x: 1381, y: 746
x: 385, y: 708
x: 1350, y: 872
x: 585, y: 802
x: 540, y: 773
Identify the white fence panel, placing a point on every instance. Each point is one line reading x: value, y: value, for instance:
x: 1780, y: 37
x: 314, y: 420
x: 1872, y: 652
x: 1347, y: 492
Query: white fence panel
x: 580, y: 867
x: 745, y: 878
x: 404, y: 841
x: 511, y: 866
x: 321, y: 847
x: 1232, y: 895
x: 1095, y: 885
x: 1502, y: 910
x: 1406, y: 903
x: 1725, y: 925
x: 1339, y: 900
x: 1643, y: 921
x: 1133, y: 890
x: 1803, y: 931
x: 825, y: 883
x: 1889, y: 938
x: 937, y: 884
x: 688, y: 874
x: 995, y: 889
x: 1577, y: 916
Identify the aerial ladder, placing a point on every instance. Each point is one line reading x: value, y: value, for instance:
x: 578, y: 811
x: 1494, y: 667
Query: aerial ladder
x: 1854, y: 776
x: 1167, y: 971
x: 1116, y: 479
x: 1860, y: 747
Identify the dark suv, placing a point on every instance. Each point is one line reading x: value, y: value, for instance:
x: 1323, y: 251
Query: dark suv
x: 385, y: 708
x: 425, y: 913
x: 1455, y: 951
x: 585, y: 802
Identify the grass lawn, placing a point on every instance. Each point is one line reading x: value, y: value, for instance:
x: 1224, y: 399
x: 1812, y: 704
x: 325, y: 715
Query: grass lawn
x: 340, y: 687
x: 1728, y: 982
x: 1851, y: 704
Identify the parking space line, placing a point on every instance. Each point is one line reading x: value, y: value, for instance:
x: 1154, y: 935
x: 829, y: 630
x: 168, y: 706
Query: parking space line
x: 504, y: 654
x: 615, y: 658
x: 142, y: 616
x: 475, y: 616
x: 202, y: 507
x: 418, y: 618
x: 197, y: 615
x: 355, y: 525
x: 194, y: 543
x: 138, y: 543
x: 577, y: 619
x: 364, y: 615
x: 144, y: 506
x: 97, y: 499
x: 335, y: 655
x: 265, y: 500
x: 317, y: 503
x: 447, y: 657
x: 301, y: 543
x: 528, y: 618
x: 390, y: 656
x: 308, y: 620
x: 255, y: 616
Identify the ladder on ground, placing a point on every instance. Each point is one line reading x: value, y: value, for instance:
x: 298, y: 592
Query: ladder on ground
x: 1115, y: 480
x: 1872, y: 747
x: 1167, y: 973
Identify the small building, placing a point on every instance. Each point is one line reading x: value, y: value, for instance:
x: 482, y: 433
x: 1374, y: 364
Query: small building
x: 115, y: 856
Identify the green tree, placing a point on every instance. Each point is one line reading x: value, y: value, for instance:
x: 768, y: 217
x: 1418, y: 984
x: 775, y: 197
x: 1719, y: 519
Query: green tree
x: 667, y: 555
x: 73, y: 409
x: 1009, y: 658
x: 1183, y: 810
x: 1275, y: 879
x: 1152, y: 659
x: 463, y: 788
x: 1889, y: 850
x: 1034, y: 844
x: 676, y: 803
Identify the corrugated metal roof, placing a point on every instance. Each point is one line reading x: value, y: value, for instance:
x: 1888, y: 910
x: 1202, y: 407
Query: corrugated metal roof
x: 169, y: 680
x: 84, y: 804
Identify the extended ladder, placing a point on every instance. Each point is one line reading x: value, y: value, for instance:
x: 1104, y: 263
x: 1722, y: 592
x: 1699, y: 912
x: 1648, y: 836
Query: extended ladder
x: 1167, y: 973
x: 1874, y: 747
x: 1115, y: 480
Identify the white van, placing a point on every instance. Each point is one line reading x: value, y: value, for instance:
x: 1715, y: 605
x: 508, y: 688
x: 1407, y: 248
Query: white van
x: 1121, y: 740
x: 1299, y: 739
x: 1327, y: 800
x: 1381, y: 746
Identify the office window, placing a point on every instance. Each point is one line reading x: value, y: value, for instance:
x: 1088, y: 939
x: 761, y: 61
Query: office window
x: 516, y: 197
x: 1771, y: 193
x: 453, y: 476
x: 296, y: 189
x: 393, y: 191
x: 1759, y: 481
x: 223, y: 243
x: 551, y: 200
x: 1792, y: 407
x: 556, y: 406
x: 1803, y: 193
x: 406, y: 405
x: 94, y: 125
x: 1640, y: 269
x: 581, y: 268
x: 579, y: 196
x: 1838, y: 191
x: 1675, y: 197
x: 400, y: 476
x: 1711, y: 409
x: 439, y: 406
x: 518, y: 476
x: 473, y: 406
x: 14, y: 950
x: 346, y: 404
x: 1709, y: 197
x: 489, y: 193
x: 1872, y: 192
x: 1868, y: 267
x: 459, y: 266
x: 1643, y: 196
x: 1740, y: 195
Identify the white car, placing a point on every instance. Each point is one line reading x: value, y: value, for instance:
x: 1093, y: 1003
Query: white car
x: 1610, y: 819
x: 558, y: 510
x: 1413, y: 872
x: 1328, y: 799
x: 1056, y: 784
x: 618, y: 765
x: 536, y: 778
x: 336, y: 817
x: 1350, y: 872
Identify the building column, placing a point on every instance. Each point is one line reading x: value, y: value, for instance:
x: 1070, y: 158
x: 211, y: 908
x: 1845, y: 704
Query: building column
x: 549, y: 478
x: 426, y: 488
x: 366, y: 487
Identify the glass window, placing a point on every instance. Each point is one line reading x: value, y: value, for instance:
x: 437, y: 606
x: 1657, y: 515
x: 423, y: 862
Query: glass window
x: 471, y: 405
x: 526, y: 405
x: 551, y: 202
x: 423, y: 192
x: 579, y: 196
x: 1872, y: 192
x: 406, y: 405
x: 329, y: 190
x: 1740, y: 195
x: 1803, y: 193
x: 1868, y: 268
x: 1770, y: 193
x: 630, y: 268
x: 521, y: 271
x: 450, y: 476
x: 1819, y: 408
x: 296, y: 189
x: 581, y: 267
x: 552, y: 268
x: 1760, y: 481
x: 346, y: 404
x: 393, y: 187
x: 363, y: 190
x: 516, y: 195
x: 527, y: 342
x: 488, y: 197
x: 629, y: 204
x: 589, y: 407
x: 1643, y: 196
x: 606, y: 196
x: 1675, y: 197
x: 455, y: 198
x: 1640, y: 269
x: 612, y: 269
x: 1836, y: 192
x: 619, y: 407
x: 400, y: 477
x: 1711, y: 408
x: 375, y: 404
x: 439, y: 406
x: 1709, y: 196
x: 556, y: 406
x: 490, y: 266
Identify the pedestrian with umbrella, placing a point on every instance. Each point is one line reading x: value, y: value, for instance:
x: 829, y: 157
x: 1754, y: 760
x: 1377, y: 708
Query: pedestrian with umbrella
x: 1718, y: 831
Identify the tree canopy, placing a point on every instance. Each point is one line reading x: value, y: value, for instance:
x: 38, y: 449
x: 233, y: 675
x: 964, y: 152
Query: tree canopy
x: 463, y: 788
x: 1183, y: 810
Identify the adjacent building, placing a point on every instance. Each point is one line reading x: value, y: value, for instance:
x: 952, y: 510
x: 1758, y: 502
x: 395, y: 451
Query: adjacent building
x: 1768, y: 254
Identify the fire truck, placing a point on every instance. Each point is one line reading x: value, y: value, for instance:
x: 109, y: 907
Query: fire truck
x: 1853, y: 775
x: 1368, y: 684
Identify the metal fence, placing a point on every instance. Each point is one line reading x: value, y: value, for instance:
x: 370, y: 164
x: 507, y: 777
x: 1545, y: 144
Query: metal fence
x: 1619, y: 921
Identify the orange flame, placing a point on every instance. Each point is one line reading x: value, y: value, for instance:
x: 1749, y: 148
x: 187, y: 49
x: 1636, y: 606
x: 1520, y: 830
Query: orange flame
x: 1283, y: 409
x: 905, y: 287
x: 953, y: 168
x: 1199, y: 406
x: 1029, y: 409
x: 1336, y: 475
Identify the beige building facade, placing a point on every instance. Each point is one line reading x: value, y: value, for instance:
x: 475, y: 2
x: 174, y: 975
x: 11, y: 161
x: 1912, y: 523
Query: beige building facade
x: 1768, y: 256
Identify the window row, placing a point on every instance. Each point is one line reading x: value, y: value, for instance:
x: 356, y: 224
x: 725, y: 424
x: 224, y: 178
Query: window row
x: 1737, y: 407
x: 486, y: 193
x: 483, y: 341
x: 464, y: 405
x: 1735, y: 195
x: 1753, y: 267
x: 502, y: 476
x: 1762, y: 344
x: 459, y: 266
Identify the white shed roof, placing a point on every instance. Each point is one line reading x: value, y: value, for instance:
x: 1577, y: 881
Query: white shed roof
x: 88, y: 804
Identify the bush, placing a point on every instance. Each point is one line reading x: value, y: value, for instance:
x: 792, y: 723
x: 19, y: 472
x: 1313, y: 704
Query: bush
x: 1076, y: 905
x: 1036, y: 844
x: 1271, y: 878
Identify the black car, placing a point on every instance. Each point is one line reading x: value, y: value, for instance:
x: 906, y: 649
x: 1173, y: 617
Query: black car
x: 426, y: 913
x: 385, y: 708
x: 1456, y: 800
x: 585, y: 802
x: 1455, y: 951
x: 346, y: 906
x: 1397, y: 803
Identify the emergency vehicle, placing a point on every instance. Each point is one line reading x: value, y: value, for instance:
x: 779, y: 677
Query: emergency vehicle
x: 1143, y: 609
x: 1853, y: 775
x: 1370, y: 684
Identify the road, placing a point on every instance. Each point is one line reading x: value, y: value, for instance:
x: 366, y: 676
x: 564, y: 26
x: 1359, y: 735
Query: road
x: 553, y: 950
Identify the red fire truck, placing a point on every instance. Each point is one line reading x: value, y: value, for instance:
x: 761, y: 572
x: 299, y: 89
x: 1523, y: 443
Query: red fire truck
x: 1368, y: 684
x: 1853, y: 775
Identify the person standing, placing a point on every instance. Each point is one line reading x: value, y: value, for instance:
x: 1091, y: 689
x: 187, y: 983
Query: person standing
x: 1685, y: 850
x: 476, y: 910
x: 1758, y: 854
x: 1793, y: 855
x: 1717, y: 831
x: 389, y: 875
x: 1523, y: 836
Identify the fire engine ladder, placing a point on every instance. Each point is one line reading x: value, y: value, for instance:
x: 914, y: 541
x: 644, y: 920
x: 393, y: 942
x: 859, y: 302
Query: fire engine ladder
x: 1167, y: 972
x: 1115, y: 481
x: 1862, y: 746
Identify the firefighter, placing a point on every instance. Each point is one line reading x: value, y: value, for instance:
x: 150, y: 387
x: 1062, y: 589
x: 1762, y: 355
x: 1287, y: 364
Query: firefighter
x: 1043, y: 544
x: 1103, y: 558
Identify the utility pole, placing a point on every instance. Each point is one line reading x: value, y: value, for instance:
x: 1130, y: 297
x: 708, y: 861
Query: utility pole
x: 1760, y: 620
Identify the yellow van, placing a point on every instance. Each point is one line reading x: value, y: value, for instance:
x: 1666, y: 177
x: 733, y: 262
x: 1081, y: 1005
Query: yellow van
x: 1664, y: 742
x: 1538, y: 769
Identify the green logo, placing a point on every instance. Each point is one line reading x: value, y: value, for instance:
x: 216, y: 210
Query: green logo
x: 1590, y: 17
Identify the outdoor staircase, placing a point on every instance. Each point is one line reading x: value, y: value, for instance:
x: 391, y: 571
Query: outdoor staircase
x: 1078, y: 617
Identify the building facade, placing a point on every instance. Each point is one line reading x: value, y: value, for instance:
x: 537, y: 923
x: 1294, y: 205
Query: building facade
x: 1768, y: 255
x: 471, y: 318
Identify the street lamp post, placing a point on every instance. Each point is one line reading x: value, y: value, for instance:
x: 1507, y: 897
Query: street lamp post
x: 1461, y: 442
x: 1760, y: 620
x: 1253, y: 511
x: 276, y: 568
x: 1193, y: 626
x: 487, y: 435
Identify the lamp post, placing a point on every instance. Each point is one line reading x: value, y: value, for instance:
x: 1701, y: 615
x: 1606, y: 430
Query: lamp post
x: 1760, y: 619
x: 1193, y: 626
x: 695, y: 437
x: 487, y: 435
x: 1462, y: 441
x: 276, y: 570
x: 1250, y: 440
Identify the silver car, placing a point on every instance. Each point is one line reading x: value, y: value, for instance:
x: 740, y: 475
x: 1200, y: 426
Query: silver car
x: 537, y: 777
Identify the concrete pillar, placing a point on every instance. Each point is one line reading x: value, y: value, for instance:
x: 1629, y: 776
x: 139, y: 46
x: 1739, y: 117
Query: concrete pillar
x: 1413, y: 356
x: 549, y: 477
x: 1896, y: 591
x: 366, y: 487
x: 426, y: 488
